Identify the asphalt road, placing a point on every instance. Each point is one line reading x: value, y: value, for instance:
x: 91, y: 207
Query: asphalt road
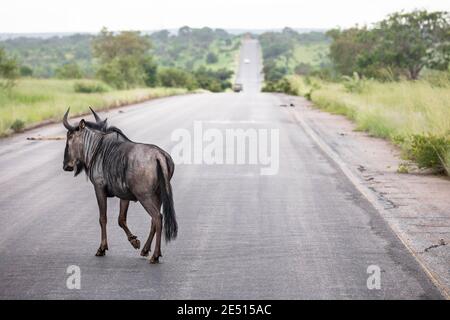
x: 302, y: 233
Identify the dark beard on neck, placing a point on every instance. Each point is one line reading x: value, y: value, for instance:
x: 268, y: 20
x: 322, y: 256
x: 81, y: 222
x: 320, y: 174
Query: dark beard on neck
x: 79, y: 166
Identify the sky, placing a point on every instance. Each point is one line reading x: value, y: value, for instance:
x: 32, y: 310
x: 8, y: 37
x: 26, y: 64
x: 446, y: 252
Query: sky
x: 18, y: 16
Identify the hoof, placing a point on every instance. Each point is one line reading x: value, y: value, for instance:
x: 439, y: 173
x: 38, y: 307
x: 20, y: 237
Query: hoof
x: 154, y: 260
x: 135, y: 243
x: 100, y: 253
x: 144, y: 253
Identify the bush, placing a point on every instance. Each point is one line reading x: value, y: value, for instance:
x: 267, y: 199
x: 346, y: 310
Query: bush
x: 311, y: 85
x: 90, y: 87
x: 18, y: 125
x: 215, y: 81
x: 354, y: 84
x: 308, y: 95
x: 283, y: 86
x: 272, y: 72
x: 387, y: 74
x: 112, y: 75
x: 211, y: 58
x: 176, y: 78
x: 69, y: 71
x: 212, y: 80
x: 9, y: 70
x: 303, y: 68
x: 430, y: 151
x: 438, y: 79
x: 26, y: 71
x: 326, y: 73
x: 150, y: 72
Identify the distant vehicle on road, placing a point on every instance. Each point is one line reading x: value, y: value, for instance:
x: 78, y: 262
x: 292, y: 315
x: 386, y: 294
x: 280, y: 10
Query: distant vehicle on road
x: 246, y: 60
x: 238, y: 87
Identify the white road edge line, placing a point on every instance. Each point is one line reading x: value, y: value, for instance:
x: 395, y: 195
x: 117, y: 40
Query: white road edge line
x: 369, y: 195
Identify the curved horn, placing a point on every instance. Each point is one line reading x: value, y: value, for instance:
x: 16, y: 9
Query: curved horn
x: 66, y: 123
x: 96, y: 116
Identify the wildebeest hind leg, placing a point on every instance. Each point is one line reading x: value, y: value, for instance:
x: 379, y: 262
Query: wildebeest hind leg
x: 149, y: 241
x: 152, y: 205
x: 124, y: 204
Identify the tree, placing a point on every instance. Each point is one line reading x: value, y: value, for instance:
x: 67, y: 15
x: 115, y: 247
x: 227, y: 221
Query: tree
x: 403, y: 43
x: 414, y: 40
x: 275, y: 44
x: 272, y: 72
x: 150, y: 72
x: 215, y: 81
x: 347, y: 46
x: 203, y: 36
x: 26, y: 71
x: 173, y: 77
x: 69, y: 71
x: 44, y: 55
x: 303, y: 68
x: 162, y: 35
x: 122, y: 57
x: 9, y: 70
x: 184, y: 31
x: 211, y: 58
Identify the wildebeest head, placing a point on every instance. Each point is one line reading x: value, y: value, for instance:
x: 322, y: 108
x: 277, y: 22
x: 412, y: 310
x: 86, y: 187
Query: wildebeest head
x: 73, y: 153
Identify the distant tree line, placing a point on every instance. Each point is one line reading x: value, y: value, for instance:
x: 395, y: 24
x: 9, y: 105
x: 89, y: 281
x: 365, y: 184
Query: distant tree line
x: 403, y: 44
x: 400, y: 46
x: 126, y: 59
x: 280, y: 46
x: 191, y: 47
x: 42, y: 57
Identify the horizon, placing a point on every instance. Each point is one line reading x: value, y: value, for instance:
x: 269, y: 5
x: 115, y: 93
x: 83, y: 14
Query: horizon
x: 234, y: 31
x: 51, y: 16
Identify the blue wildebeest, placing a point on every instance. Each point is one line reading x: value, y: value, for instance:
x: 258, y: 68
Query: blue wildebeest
x: 119, y: 167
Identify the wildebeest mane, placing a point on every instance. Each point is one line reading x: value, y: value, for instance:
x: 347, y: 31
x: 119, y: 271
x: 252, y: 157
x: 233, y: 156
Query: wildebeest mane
x: 106, y: 152
x: 104, y: 128
x: 113, y: 155
x: 116, y: 130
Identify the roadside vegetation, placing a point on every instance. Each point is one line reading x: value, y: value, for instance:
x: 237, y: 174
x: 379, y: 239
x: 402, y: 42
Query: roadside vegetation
x: 414, y: 115
x: 40, y: 78
x: 392, y: 80
x: 188, y: 49
x: 33, y: 100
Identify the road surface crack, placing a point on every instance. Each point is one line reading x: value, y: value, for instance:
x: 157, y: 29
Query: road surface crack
x: 440, y: 244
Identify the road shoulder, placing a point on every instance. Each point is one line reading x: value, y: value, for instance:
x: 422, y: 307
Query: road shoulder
x: 416, y: 206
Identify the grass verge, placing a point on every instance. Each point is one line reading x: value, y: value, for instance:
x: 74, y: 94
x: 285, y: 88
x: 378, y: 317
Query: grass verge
x: 414, y: 115
x: 35, y: 100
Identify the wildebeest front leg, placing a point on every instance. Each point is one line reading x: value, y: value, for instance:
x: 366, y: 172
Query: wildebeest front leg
x: 124, y: 204
x: 101, y: 200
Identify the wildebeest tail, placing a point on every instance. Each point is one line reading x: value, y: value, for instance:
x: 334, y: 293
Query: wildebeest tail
x: 170, y: 221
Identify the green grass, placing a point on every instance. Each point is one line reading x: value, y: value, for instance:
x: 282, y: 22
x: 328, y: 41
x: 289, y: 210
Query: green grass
x: 400, y: 111
x: 314, y: 53
x: 35, y: 100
